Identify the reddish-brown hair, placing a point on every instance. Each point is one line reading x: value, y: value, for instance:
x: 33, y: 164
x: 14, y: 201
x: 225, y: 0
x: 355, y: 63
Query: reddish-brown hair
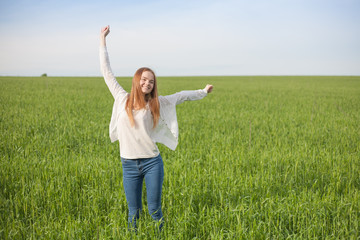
x: 138, y: 100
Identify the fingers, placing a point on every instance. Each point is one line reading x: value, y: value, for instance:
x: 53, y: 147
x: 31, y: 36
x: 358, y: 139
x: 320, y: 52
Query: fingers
x: 105, y: 30
x: 209, y: 88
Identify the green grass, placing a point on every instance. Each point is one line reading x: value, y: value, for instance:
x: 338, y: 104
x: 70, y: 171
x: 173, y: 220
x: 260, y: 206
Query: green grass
x: 259, y: 158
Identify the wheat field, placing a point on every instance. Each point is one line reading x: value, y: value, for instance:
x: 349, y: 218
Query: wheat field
x: 259, y: 158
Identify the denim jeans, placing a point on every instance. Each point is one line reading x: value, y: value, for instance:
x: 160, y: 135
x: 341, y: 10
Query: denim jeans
x: 134, y: 172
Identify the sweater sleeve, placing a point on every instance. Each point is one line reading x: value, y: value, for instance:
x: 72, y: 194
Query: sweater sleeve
x: 108, y: 75
x: 183, y: 96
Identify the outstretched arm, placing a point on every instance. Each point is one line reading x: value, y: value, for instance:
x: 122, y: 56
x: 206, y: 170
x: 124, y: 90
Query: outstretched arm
x: 106, y: 71
x: 193, y: 95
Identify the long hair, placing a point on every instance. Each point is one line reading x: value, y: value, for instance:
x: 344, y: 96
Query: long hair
x: 138, y: 100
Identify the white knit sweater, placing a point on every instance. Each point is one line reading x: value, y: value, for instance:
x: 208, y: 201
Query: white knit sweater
x: 143, y: 141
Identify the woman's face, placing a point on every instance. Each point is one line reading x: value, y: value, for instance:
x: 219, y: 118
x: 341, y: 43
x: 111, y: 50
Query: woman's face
x: 147, y: 82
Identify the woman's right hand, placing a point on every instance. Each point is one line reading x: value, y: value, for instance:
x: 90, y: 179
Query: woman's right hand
x: 105, y: 31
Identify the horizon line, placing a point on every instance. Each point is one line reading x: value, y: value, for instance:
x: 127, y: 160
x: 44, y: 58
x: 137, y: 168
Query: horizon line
x: 245, y: 75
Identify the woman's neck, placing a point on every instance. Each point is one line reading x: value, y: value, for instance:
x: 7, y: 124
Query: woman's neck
x: 147, y: 98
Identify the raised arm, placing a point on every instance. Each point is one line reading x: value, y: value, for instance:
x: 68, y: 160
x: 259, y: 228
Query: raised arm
x: 103, y: 34
x: 106, y: 71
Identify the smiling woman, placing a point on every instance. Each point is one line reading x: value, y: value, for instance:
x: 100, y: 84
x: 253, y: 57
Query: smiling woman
x: 147, y: 81
x: 140, y: 120
x: 143, y: 93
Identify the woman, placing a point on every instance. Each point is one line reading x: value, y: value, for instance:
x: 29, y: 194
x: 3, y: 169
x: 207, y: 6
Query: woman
x: 138, y: 121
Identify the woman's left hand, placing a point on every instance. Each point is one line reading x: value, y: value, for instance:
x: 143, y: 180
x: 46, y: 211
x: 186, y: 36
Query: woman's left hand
x: 209, y: 88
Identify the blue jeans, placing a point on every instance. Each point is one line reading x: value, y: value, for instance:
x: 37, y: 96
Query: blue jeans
x: 134, y: 171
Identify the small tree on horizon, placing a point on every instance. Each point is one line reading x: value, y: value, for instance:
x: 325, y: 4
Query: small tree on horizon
x: 44, y: 75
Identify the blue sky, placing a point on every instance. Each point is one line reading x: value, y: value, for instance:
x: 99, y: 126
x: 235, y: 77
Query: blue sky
x: 214, y: 37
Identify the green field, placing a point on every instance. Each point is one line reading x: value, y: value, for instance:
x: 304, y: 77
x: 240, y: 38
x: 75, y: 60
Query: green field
x: 259, y: 158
